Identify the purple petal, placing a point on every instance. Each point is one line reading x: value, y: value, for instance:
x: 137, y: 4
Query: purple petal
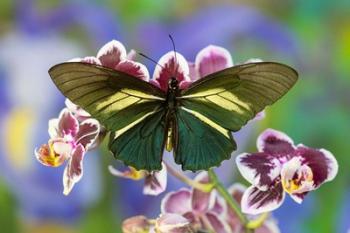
x: 67, y: 123
x: 220, y: 206
x: 155, y: 182
x: 194, y: 75
x: 91, y: 60
x: 260, y: 169
x: 255, y: 201
x: 275, y: 143
x: 236, y: 190
x: 111, y: 54
x: 74, y: 170
x: 323, y: 164
x: 217, y: 223
x: 88, y: 132
x: 178, y: 202
x: 169, y: 68
x: 202, y: 201
x: 133, y: 68
x: 136, y: 224
x: 172, y: 223
x: 78, y: 112
x: 212, y: 59
x: 131, y: 55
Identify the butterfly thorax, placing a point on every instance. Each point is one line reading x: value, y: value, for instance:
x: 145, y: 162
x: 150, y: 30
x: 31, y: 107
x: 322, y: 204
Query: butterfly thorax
x: 173, y: 88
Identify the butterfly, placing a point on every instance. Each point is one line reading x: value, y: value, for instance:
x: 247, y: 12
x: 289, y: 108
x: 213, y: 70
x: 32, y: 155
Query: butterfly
x: 195, y: 123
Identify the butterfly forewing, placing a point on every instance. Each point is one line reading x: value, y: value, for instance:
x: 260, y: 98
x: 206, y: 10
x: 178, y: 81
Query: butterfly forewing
x: 123, y: 104
x: 233, y: 96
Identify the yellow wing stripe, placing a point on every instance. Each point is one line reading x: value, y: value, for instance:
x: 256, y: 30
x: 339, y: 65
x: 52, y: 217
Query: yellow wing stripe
x: 209, y: 122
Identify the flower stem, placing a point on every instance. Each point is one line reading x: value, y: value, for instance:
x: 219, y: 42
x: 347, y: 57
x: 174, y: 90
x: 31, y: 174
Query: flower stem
x: 197, y: 185
x: 229, y: 199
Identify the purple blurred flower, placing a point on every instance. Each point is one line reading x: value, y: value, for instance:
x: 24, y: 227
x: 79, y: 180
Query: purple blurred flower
x: 203, y: 210
x: 281, y: 167
x: 69, y: 141
x: 155, y: 182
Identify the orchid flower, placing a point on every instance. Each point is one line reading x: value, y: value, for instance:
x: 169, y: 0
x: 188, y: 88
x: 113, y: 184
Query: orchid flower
x: 155, y: 182
x: 203, y: 210
x: 278, y: 167
x: 166, y: 223
x: 69, y: 141
x: 113, y: 55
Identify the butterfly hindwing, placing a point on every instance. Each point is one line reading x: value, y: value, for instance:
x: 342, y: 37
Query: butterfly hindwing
x: 201, y: 143
x: 114, y: 98
x: 233, y: 96
x: 142, y: 145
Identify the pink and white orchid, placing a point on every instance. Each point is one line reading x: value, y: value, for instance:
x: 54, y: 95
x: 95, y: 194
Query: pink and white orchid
x: 203, y: 210
x: 113, y: 55
x: 278, y: 167
x: 155, y: 182
x: 69, y: 141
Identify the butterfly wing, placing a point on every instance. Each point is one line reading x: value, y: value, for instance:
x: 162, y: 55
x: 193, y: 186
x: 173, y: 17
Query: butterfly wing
x: 120, y: 102
x: 223, y: 102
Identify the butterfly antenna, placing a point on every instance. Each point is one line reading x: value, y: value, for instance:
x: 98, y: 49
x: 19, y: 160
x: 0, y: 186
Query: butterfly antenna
x: 176, y: 66
x: 152, y: 60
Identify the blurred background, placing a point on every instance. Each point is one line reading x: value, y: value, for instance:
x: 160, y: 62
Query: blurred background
x: 313, y: 36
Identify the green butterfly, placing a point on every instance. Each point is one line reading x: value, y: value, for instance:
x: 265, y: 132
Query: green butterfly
x: 195, y: 122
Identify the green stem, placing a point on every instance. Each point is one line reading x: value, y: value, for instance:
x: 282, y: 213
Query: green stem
x: 229, y: 199
x: 197, y: 185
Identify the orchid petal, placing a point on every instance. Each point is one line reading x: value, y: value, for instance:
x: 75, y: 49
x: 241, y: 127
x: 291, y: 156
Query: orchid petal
x: 155, y: 182
x: 136, y: 224
x: 74, y: 169
x: 131, y: 173
x: 212, y: 59
x: 236, y: 190
x: 275, y: 143
x: 76, y: 110
x: 217, y: 224
x: 193, y: 72
x: 260, y: 169
x: 111, y: 54
x: 323, y: 164
x: 172, y: 223
x: 133, y: 68
x: 67, y: 124
x: 91, y: 60
x: 178, y: 202
x: 255, y: 201
x: 88, y: 132
x: 220, y: 206
x: 131, y: 55
x: 168, y: 68
x: 202, y: 201
x: 47, y: 156
x: 53, y: 128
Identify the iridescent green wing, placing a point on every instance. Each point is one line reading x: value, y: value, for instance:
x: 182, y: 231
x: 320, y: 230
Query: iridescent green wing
x: 122, y: 103
x: 224, y: 102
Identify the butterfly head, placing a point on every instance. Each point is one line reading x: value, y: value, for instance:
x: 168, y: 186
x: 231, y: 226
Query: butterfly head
x: 173, y: 84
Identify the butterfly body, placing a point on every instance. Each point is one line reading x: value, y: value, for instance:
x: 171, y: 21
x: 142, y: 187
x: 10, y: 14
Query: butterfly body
x: 195, y: 123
